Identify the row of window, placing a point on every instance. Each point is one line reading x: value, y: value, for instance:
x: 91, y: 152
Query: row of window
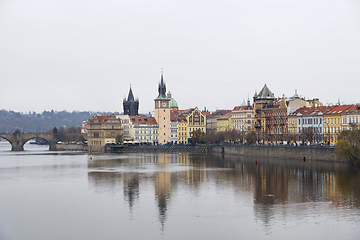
x: 351, y: 120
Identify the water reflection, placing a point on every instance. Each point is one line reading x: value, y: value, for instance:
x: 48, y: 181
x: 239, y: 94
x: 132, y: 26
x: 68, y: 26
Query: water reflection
x: 278, y: 187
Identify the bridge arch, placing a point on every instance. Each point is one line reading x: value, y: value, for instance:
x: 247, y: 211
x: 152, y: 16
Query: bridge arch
x: 27, y: 140
x: 18, y: 139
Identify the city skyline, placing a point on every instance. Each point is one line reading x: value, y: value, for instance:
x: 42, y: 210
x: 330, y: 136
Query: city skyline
x: 72, y: 56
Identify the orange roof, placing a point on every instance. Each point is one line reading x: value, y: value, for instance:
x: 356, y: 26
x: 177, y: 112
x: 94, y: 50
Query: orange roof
x: 311, y: 111
x: 341, y: 109
x: 225, y: 116
x: 100, y: 118
x: 243, y: 108
x: 143, y: 120
x: 206, y: 113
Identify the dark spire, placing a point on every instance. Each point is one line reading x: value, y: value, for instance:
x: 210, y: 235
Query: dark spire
x: 162, y: 87
x: 130, y: 96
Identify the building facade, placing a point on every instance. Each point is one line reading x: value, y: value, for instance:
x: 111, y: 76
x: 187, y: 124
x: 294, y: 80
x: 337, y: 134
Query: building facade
x: 127, y: 128
x: 243, y: 117
x: 350, y: 119
x: 332, y: 122
x: 146, y: 129
x: 174, y: 138
x: 103, y: 129
x: 224, y: 123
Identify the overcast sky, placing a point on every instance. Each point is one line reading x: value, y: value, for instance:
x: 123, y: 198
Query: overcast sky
x: 84, y: 54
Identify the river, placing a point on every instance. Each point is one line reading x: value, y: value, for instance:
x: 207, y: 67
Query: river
x: 59, y: 195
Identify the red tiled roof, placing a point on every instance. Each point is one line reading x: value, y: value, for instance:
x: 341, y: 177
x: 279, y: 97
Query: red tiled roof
x: 220, y: 112
x: 341, y: 109
x: 225, y: 116
x: 311, y: 110
x: 100, y: 118
x: 242, y: 108
x: 206, y: 113
x: 142, y: 120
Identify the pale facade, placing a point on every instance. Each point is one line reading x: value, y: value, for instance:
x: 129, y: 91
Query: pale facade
x: 126, y: 127
x: 102, y: 130
x: 243, y: 118
x: 146, y: 129
x: 351, y: 119
x: 174, y: 132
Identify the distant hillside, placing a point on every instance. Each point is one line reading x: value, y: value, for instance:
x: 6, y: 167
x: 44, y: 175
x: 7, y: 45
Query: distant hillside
x: 47, y: 120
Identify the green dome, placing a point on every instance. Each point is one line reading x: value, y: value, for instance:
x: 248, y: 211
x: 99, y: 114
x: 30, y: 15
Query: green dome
x: 243, y: 103
x: 173, y: 103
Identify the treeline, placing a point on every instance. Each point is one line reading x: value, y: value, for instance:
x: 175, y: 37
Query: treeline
x: 42, y: 122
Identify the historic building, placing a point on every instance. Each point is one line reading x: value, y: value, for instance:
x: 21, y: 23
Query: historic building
x: 350, y: 119
x: 145, y: 129
x: 174, y: 138
x: 332, y: 122
x: 243, y: 117
x: 162, y: 112
x: 196, y: 120
x: 224, y: 123
x: 310, y: 123
x: 264, y: 96
x: 131, y: 105
x: 102, y: 130
x: 274, y: 120
x: 211, y: 120
x: 188, y: 120
x: 127, y: 127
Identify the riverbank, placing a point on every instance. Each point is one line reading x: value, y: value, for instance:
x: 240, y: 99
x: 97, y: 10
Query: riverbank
x: 278, y: 151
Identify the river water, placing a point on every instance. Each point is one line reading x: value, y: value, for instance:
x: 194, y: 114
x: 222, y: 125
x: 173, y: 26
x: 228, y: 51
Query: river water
x: 58, y: 195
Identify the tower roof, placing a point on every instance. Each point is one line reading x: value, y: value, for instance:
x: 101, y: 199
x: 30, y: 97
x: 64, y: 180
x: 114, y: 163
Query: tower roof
x: 162, y: 88
x: 265, y: 93
x: 130, y: 96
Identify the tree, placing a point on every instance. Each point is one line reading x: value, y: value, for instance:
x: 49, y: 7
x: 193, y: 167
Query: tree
x: 198, y: 136
x: 348, y: 146
x: 251, y: 137
x: 80, y: 138
x: 68, y: 138
x: 119, y: 138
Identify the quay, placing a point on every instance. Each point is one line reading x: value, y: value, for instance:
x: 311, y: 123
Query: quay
x: 306, y: 153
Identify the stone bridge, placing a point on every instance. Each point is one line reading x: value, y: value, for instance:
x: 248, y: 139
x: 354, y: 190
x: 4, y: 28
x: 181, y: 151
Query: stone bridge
x: 18, y: 139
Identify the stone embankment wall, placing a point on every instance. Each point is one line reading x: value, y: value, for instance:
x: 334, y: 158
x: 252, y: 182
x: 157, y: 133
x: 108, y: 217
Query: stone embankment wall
x: 157, y: 149
x: 286, y: 152
x: 71, y: 147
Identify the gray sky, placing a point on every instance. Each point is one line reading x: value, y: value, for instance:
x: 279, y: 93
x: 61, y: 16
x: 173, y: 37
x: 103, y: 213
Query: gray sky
x: 83, y: 55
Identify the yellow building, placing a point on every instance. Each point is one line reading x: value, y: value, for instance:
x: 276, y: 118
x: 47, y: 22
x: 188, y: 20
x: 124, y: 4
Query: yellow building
x: 183, y: 131
x: 188, y: 121
x: 224, y: 123
x: 332, y: 122
x: 102, y: 130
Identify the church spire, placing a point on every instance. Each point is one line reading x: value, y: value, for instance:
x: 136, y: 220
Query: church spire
x: 131, y: 95
x: 162, y: 86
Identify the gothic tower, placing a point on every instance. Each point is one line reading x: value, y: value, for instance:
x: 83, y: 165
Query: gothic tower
x: 131, y: 105
x: 162, y: 112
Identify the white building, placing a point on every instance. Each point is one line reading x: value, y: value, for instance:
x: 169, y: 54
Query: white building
x: 174, y: 132
x: 126, y: 127
x: 146, y: 129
